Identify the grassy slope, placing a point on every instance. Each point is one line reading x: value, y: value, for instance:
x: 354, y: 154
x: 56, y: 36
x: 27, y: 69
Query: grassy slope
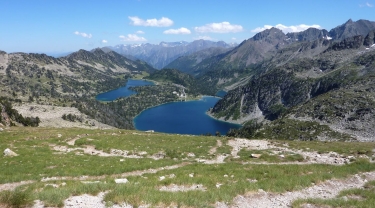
x: 38, y: 160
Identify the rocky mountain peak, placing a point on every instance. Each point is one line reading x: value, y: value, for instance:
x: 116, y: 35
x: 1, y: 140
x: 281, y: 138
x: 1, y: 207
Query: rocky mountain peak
x: 310, y: 34
x: 80, y: 55
x: 98, y: 52
x: 349, y: 21
x: 269, y: 34
x: 350, y: 29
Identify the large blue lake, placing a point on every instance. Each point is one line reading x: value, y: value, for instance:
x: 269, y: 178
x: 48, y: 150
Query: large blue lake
x: 183, y: 118
x: 176, y: 117
x: 123, y: 91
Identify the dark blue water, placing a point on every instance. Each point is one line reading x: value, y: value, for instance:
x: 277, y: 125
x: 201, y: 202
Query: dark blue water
x: 122, y: 91
x: 221, y: 93
x: 183, y: 118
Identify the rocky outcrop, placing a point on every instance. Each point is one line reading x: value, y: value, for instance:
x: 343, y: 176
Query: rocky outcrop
x: 369, y: 39
x: 354, y: 42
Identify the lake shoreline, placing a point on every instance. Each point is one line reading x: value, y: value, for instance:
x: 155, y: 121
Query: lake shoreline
x: 112, y: 95
x: 177, y: 125
x: 177, y: 116
x: 208, y: 113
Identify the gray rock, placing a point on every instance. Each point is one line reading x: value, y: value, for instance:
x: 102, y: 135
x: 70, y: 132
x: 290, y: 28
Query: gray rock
x: 9, y: 153
x: 255, y: 155
x: 121, y: 180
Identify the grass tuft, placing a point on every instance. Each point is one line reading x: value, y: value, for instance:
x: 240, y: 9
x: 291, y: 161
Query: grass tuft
x: 16, y: 198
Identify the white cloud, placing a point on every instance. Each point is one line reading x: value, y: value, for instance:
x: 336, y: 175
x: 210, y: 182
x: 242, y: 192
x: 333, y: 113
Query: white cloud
x: 222, y: 27
x: 163, y: 22
x: 367, y: 4
x: 104, y: 41
x: 85, y: 35
x: 140, y: 32
x: 203, y: 38
x: 286, y: 29
x: 234, y: 38
x: 132, y: 37
x: 181, y: 30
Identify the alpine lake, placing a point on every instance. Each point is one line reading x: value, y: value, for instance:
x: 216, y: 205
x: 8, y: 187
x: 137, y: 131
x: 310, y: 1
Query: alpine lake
x: 176, y: 117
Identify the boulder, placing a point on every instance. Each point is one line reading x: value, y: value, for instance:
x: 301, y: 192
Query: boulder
x: 190, y: 154
x: 159, y: 155
x: 121, y: 180
x: 9, y: 153
x: 255, y: 155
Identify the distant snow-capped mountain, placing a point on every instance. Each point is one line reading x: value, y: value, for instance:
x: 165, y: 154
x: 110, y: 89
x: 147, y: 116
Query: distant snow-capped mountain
x: 160, y: 55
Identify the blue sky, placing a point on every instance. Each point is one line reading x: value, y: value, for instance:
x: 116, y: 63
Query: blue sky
x: 56, y: 26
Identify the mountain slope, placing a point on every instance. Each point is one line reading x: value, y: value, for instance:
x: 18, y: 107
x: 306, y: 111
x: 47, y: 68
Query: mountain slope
x: 191, y: 85
x: 108, y: 61
x: 74, y: 80
x: 256, y: 49
x: 187, y: 63
x: 325, y: 79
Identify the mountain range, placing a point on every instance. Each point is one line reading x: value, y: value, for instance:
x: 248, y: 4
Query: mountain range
x: 265, y: 45
x: 314, y: 84
x: 160, y: 55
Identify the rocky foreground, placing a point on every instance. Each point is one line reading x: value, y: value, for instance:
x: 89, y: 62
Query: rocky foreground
x: 325, y: 189
x: 51, y: 116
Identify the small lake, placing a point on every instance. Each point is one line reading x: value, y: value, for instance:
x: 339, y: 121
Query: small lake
x: 123, y: 91
x: 183, y: 118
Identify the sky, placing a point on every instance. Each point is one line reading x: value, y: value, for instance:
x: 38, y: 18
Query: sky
x: 59, y: 26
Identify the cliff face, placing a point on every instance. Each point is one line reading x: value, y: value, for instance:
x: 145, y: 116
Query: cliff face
x: 370, y: 39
